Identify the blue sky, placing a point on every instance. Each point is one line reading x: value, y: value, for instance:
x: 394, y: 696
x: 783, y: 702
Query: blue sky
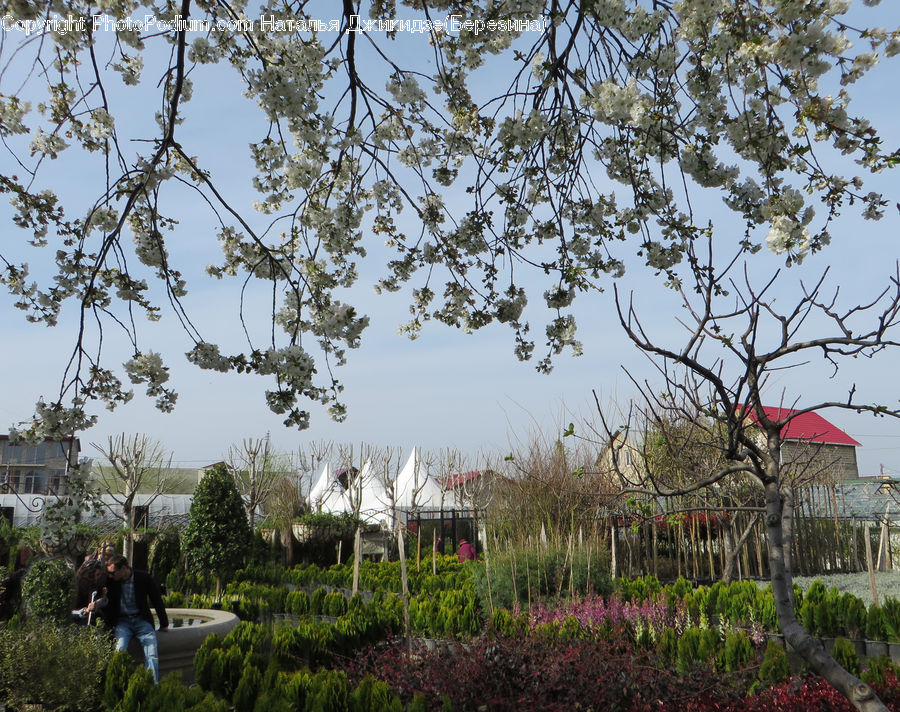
x: 446, y: 389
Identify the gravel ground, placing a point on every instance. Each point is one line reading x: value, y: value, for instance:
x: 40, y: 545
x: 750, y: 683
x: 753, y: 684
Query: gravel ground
x: 886, y: 582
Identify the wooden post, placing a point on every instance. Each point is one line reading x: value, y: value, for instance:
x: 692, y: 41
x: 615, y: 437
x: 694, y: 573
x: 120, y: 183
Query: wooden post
x: 870, y: 566
x: 434, y: 552
x: 612, y: 550
x: 404, y: 583
x: 854, y: 552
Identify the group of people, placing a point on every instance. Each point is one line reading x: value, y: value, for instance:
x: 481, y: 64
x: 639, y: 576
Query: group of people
x: 108, y: 586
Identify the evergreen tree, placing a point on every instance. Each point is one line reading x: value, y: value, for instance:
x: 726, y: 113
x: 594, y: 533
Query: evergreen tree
x: 218, y: 535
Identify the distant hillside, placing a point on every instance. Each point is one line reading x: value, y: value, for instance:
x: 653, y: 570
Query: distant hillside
x: 182, y: 480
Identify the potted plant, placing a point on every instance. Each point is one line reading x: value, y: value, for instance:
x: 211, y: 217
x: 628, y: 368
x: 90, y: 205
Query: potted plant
x: 876, y: 636
x: 891, y: 614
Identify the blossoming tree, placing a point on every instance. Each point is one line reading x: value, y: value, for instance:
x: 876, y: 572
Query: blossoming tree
x: 499, y: 150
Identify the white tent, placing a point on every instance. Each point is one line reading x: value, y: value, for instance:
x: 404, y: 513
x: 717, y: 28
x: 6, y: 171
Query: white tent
x: 327, y: 495
x: 374, y: 499
x: 415, y: 488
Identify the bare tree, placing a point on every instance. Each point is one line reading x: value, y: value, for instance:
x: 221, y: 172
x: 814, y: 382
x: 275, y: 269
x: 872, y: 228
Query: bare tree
x: 136, y: 464
x: 285, y: 502
x: 255, y: 469
x: 737, y: 336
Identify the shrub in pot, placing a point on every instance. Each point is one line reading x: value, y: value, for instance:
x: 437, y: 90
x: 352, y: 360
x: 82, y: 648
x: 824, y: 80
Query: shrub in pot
x: 844, y: 653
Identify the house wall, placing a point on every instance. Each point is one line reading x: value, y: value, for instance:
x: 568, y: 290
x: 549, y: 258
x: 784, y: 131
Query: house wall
x: 36, y: 469
x: 835, y: 462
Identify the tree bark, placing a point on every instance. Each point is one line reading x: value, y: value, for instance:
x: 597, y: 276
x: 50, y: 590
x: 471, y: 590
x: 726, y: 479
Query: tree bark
x: 778, y: 513
x: 357, y: 552
x: 732, y: 554
x: 404, y: 584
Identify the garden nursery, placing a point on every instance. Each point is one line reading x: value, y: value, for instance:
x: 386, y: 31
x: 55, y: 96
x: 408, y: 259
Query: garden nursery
x: 538, y: 625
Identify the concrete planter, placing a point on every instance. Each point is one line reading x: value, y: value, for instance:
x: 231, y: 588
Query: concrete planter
x: 894, y: 652
x: 178, y: 645
x: 874, y: 648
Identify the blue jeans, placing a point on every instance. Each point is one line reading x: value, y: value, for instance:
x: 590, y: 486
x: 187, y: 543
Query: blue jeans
x: 129, y: 627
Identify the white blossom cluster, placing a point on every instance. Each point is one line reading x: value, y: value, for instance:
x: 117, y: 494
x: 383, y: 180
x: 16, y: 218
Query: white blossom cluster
x: 149, y: 368
x: 575, y: 148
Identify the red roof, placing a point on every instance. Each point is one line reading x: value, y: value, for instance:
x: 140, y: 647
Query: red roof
x: 460, y: 479
x: 808, y: 427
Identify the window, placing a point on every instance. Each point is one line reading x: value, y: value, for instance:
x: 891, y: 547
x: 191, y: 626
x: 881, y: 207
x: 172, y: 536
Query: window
x: 34, y: 482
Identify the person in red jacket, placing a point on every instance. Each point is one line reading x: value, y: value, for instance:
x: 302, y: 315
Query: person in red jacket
x: 466, y: 551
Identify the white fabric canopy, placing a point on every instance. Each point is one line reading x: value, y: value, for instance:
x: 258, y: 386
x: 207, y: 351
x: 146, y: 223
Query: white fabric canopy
x: 327, y: 495
x: 374, y: 499
x: 415, y: 488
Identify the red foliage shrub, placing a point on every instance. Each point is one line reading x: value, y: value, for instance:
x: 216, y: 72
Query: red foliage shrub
x: 534, y: 674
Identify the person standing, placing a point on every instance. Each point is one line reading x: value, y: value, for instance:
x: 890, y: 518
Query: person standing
x: 127, y: 610
x: 466, y: 551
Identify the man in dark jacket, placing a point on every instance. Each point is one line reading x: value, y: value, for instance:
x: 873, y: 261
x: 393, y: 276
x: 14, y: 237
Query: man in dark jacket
x: 127, y: 610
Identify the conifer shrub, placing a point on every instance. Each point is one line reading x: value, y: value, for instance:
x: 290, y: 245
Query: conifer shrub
x: 875, y: 629
x: 738, y: 652
x: 775, y: 667
x: 844, y: 653
x: 118, y: 673
x: 878, y: 669
x: 247, y: 689
x: 297, y: 603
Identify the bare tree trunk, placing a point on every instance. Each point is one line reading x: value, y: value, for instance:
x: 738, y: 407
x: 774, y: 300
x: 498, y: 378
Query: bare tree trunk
x: 731, y: 556
x: 128, y: 539
x: 870, y: 565
x: 778, y: 516
x: 612, y: 551
x: 357, y: 551
x: 404, y: 584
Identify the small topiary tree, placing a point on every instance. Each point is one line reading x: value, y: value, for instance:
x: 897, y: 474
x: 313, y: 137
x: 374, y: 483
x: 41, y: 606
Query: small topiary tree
x: 774, y: 669
x: 217, y: 538
x: 48, y: 590
x: 844, y: 653
x: 875, y: 629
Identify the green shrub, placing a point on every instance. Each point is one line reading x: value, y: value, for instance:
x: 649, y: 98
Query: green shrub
x: 316, y: 601
x: 844, y: 654
x: 688, y: 648
x: 516, y: 574
x: 890, y: 610
x: 853, y: 616
x: 60, y: 667
x: 204, y: 660
x: 775, y: 667
x: 738, y: 652
x: 877, y: 669
x: 668, y: 646
x: 165, y: 555
x: 875, y: 624
x: 118, y: 672
x: 247, y: 689
x: 248, y: 636
x: 373, y: 695
x: 140, y: 687
x: 334, y: 604
x: 48, y: 590
x: 297, y: 603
